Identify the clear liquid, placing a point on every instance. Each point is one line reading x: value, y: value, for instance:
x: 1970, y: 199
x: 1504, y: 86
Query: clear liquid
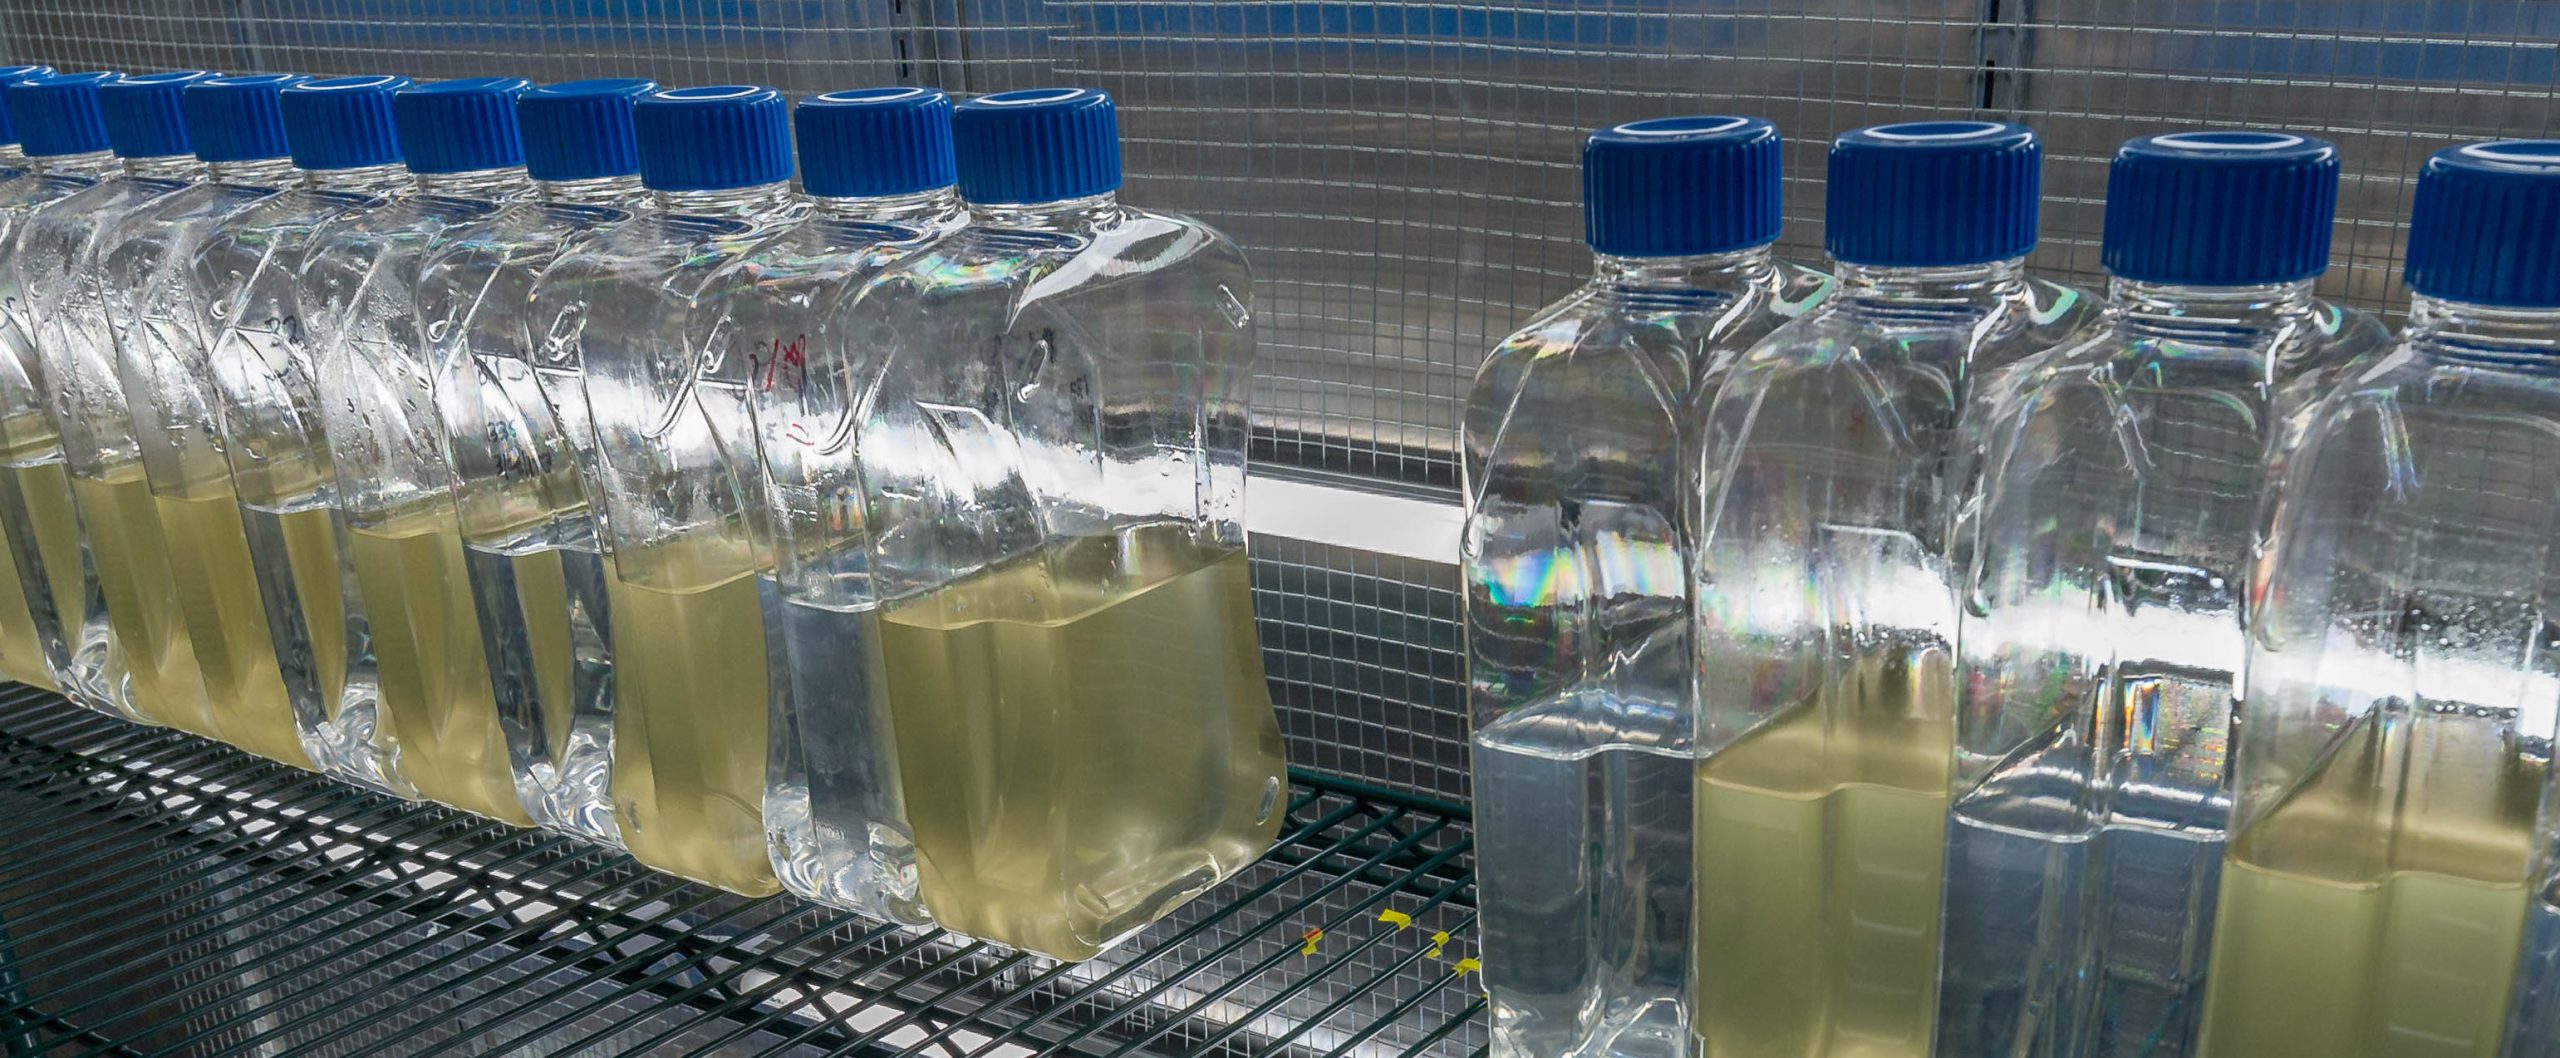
x: 693, y: 669
x: 44, y: 554
x: 435, y: 698
x: 1583, y: 877
x: 834, y: 810
x: 1821, y: 850
x: 2019, y: 900
x: 2376, y: 911
x: 1069, y: 776
x: 217, y: 581
x: 545, y: 631
x: 131, y: 556
x: 298, y: 561
x: 2533, y: 1026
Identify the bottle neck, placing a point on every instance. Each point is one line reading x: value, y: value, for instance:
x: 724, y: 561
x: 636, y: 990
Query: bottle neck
x: 1949, y: 286
x: 476, y: 183
x: 93, y: 164
x: 255, y: 172
x: 727, y: 202
x: 13, y: 156
x: 166, y: 167
x: 2485, y: 333
x: 599, y: 191
x: 1063, y: 215
x: 368, y: 179
x: 2219, y: 315
x: 1733, y: 270
x: 922, y: 207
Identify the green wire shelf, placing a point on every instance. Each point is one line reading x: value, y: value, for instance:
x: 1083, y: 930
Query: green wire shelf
x: 161, y: 895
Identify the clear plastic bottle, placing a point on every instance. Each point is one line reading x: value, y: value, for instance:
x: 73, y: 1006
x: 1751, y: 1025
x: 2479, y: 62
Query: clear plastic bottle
x: 261, y: 542
x: 696, y: 637
x: 1579, y: 447
x: 876, y: 165
x: 23, y: 657
x: 127, y: 643
x: 1052, y: 473
x: 2398, y: 727
x: 67, y: 152
x: 160, y: 377
x: 514, y: 449
x: 2105, y: 613
x: 434, y: 731
x: 64, y: 133
x: 1835, y: 453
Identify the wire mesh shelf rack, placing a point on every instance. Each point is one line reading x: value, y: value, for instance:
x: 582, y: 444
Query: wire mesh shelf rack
x: 161, y: 895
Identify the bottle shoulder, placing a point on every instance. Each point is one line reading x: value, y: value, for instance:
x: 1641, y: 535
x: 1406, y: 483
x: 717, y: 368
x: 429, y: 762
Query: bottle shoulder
x: 39, y: 189
x: 286, y: 220
x: 1133, y: 250
x: 1605, y: 314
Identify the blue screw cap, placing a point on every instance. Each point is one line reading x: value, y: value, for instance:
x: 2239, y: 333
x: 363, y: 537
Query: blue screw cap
x: 1933, y: 194
x: 10, y: 75
x: 713, y: 138
x: 1038, y: 145
x: 2483, y: 224
x: 1673, y: 187
x: 342, y: 122
x: 2221, y: 208
x: 581, y: 130
x: 144, y: 116
x: 59, y: 114
x: 460, y: 126
x: 871, y: 142
x: 238, y: 118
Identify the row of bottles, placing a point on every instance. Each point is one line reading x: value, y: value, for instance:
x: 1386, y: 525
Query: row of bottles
x: 544, y: 453
x: 1930, y: 659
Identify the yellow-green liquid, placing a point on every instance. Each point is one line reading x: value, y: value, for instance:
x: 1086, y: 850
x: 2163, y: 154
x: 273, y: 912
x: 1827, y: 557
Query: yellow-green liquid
x: 436, y: 704
x: 218, y: 595
x: 131, y: 554
x: 46, y: 489
x: 542, y: 600
x: 1084, y: 737
x: 1821, y: 846
x: 2375, y: 912
x: 691, y: 679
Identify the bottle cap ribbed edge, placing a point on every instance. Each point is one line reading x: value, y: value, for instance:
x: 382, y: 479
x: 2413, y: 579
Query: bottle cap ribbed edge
x: 713, y: 138
x: 2486, y: 225
x: 1675, y: 187
x: 1933, y: 194
x: 342, y: 122
x: 871, y: 142
x: 2221, y: 208
x: 145, y: 115
x: 10, y: 75
x: 1037, y: 145
x: 460, y: 126
x: 59, y: 114
x: 238, y: 118
x: 581, y: 130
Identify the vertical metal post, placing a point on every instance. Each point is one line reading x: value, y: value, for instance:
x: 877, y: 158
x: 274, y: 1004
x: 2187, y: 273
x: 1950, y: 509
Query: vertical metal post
x: 928, y: 43
x: 2003, y: 47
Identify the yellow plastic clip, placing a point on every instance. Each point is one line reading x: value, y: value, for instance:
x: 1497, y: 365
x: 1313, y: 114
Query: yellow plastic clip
x: 1398, y: 919
x: 1468, y: 966
x: 1438, y: 941
x: 1307, y: 945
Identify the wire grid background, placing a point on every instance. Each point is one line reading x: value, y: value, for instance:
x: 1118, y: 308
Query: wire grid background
x: 1404, y: 174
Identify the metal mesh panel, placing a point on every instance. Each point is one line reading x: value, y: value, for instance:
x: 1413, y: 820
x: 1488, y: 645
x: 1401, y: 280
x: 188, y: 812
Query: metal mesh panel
x: 1404, y: 174
x: 161, y: 895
